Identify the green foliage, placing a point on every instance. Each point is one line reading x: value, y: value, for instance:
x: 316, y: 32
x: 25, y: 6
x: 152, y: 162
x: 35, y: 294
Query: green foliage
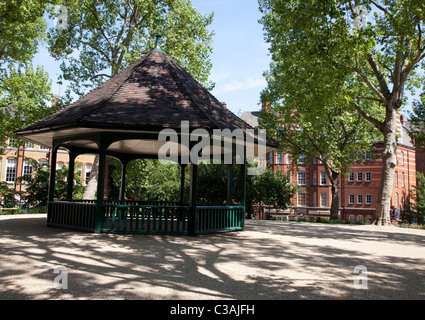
x: 37, y: 188
x: 325, y: 65
x: 272, y: 189
x: 22, y: 27
x: 101, y: 38
x: 417, y: 123
x: 147, y: 180
x: 419, y: 194
x: 23, y: 95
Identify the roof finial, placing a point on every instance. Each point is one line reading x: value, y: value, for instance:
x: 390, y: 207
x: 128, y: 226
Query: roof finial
x: 157, y: 47
x: 158, y: 36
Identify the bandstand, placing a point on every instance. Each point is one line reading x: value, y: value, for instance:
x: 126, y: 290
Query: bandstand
x: 123, y: 118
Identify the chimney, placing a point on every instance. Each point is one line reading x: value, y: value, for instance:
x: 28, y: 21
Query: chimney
x: 55, y: 99
x: 266, y: 106
x: 224, y: 104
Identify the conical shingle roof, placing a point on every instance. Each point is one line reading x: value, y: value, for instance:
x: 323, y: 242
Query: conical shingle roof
x: 151, y: 94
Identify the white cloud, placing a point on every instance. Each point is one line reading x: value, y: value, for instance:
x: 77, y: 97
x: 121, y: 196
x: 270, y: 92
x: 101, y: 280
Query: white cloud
x: 235, y: 84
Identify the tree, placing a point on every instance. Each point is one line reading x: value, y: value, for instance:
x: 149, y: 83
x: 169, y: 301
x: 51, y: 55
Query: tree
x: 22, y: 27
x: 419, y: 194
x: 377, y: 58
x: 417, y: 123
x: 272, y: 189
x: 23, y: 95
x: 101, y: 38
x: 315, y: 124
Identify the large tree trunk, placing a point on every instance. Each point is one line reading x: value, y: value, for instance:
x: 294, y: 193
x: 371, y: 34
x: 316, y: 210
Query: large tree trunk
x: 335, y: 195
x: 91, y: 188
x: 389, y: 162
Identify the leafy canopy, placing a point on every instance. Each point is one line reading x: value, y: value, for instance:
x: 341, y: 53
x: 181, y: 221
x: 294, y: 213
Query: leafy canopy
x: 98, y: 39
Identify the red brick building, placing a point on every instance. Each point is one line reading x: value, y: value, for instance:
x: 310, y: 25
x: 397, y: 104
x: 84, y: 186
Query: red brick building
x: 358, y: 190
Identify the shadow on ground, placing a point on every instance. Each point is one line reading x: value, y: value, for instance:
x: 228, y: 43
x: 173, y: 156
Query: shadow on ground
x: 269, y: 260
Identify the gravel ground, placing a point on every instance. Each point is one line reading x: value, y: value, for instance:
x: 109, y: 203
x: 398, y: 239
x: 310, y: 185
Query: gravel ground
x: 270, y: 260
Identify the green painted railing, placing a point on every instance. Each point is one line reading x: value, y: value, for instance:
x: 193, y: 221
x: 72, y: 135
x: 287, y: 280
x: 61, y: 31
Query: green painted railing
x: 219, y: 218
x: 152, y: 219
x: 145, y: 219
x: 69, y: 214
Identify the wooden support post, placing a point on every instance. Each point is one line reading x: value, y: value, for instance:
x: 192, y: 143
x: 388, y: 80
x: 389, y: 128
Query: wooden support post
x: 70, y: 178
x: 182, y: 178
x: 230, y: 184
x: 123, y: 173
x: 193, y: 199
x: 52, y: 180
x: 98, y: 221
x: 243, y: 186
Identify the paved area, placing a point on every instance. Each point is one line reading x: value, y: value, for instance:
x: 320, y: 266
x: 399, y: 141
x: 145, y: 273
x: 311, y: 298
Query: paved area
x: 270, y: 260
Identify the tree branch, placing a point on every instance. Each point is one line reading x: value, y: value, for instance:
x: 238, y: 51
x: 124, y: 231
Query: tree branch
x: 375, y: 90
x: 378, y: 124
x: 380, y: 7
x: 380, y: 77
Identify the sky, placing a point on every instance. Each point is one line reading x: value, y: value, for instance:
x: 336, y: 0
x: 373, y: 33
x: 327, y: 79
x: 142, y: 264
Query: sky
x: 239, y: 58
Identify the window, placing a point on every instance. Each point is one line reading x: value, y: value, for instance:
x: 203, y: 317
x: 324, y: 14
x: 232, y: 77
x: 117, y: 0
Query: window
x: 360, y: 199
x: 403, y: 203
x: 12, y: 143
x: 360, y: 218
x: 279, y: 158
x: 10, y: 170
x: 359, y: 155
x: 59, y: 165
x: 368, y: 155
x: 271, y: 155
x: 88, y: 171
x: 301, y: 159
x: 314, y: 160
x: 351, y: 218
x: 351, y: 199
x: 351, y: 177
x: 396, y: 200
x: 360, y: 176
x: 43, y: 163
x: 368, y: 199
x: 396, y: 179
x: 29, y: 145
x: 314, y: 199
x: 402, y: 179
x: 323, y: 179
x: 314, y: 177
x: 402, y: 158
x: 368, y: 176
x: 288, y: 176
x: 288, y: 158
x: 28, y: 170
x: 301, y: 178
x: 301, y: 198
x: 42, y: 148
x: 323, y: 199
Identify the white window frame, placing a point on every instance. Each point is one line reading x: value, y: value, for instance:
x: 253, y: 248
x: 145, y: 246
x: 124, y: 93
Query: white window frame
x: 368, y: 199
x: 301, y: 178
x: 303, y: 198
x: 11, y: 164
x: 323, y: 178
x: 368, y: 176
x: 323, y: 199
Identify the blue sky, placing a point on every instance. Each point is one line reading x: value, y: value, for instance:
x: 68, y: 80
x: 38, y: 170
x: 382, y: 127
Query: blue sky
x: 239, y: 58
